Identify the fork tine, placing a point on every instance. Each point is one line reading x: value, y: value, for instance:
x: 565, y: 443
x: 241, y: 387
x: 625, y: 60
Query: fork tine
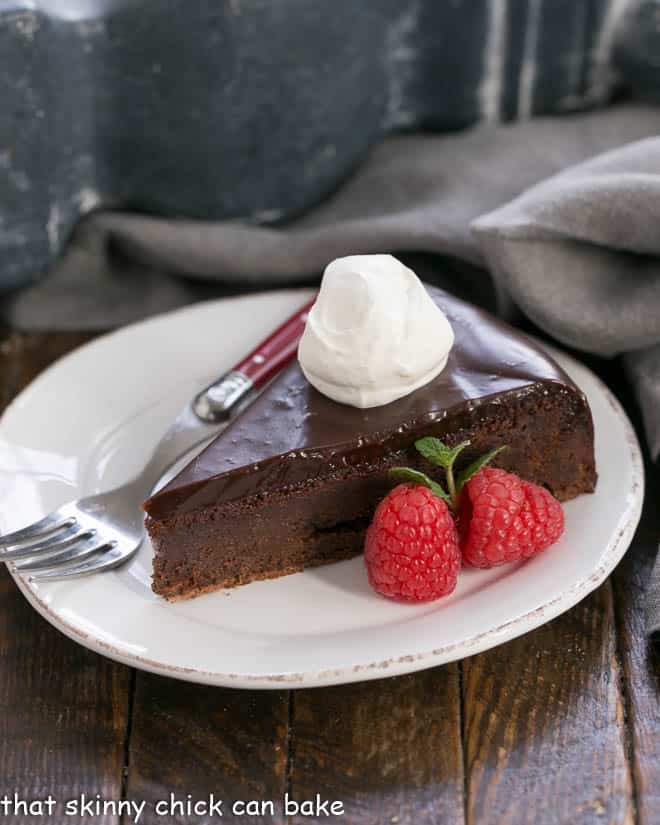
x: 74, y: 549
x: 49, y: 524
x: 105, y: 558
x: 56, y: 541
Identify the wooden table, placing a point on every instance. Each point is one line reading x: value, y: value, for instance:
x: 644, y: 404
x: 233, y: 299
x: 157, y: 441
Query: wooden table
x: 560, y: 726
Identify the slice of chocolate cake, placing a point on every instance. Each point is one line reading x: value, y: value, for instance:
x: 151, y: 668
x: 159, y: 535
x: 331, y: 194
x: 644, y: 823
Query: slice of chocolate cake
x: 293, y: 481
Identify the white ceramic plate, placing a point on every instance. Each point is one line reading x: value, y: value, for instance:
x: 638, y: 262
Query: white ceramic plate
x: 90, y: 420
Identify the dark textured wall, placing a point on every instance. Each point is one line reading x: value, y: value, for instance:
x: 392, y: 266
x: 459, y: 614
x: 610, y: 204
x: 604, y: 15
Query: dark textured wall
x: 256, y: 108
x: 637, y: 49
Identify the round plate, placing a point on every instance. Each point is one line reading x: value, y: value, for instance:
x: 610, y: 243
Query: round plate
x: 90, y: 420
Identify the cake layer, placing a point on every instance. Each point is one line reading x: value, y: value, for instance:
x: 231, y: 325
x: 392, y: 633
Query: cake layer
x: 293, y: 481
x: 231, y: 543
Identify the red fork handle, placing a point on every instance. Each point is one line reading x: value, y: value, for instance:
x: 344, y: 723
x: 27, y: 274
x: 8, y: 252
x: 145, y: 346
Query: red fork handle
x: 216, y: 402
x: 274, y: 352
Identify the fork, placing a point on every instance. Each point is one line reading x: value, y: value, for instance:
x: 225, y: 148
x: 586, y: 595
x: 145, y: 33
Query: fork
x: 103, y: 531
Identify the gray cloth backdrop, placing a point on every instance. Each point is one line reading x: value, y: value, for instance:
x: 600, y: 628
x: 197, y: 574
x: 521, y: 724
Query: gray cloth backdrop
x: 563, y: 212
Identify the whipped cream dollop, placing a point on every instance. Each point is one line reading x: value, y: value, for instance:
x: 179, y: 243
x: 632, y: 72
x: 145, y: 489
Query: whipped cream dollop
x: 374, y: 333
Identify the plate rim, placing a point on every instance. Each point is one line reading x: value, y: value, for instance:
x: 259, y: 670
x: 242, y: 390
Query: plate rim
x: 397, y: 665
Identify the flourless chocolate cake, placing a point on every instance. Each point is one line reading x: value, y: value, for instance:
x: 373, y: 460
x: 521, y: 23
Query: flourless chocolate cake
x: 294, y: 480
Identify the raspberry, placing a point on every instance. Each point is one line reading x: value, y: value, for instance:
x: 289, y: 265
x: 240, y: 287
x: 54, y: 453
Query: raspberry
x: 543, y: 517
x: 411, y: 548
x: 504, y: 519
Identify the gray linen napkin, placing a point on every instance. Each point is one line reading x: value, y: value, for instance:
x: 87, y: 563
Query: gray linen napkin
x: 576, y: 245
x: 580, y: 254
x: 413, y: 192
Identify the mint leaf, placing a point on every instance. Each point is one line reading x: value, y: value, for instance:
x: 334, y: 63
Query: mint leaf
x: 438, y: 453
x: 415, y: 477
x: 456, y: 451
x: 476, y: 465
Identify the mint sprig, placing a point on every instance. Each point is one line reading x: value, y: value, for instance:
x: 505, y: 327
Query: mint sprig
x: 443, y: 456
x: 417, y: 477
x: 438, y: 453
x: 475, y: 466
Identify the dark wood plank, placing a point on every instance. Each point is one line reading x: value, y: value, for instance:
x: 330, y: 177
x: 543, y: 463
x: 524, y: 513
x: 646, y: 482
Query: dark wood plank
x: 63, y: 709
x: 195, y: 740
x: 390, y: 750
x: 544, y: 725
x: 641, y: 659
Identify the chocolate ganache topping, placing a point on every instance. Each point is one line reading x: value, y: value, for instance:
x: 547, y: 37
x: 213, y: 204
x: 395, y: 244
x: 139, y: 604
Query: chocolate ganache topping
x: 292, y: 433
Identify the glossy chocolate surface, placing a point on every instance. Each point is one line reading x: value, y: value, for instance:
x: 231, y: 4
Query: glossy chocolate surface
x: 292, y: 433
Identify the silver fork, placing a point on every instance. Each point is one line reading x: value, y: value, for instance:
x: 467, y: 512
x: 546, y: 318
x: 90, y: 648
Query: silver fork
x: 104, y: 531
